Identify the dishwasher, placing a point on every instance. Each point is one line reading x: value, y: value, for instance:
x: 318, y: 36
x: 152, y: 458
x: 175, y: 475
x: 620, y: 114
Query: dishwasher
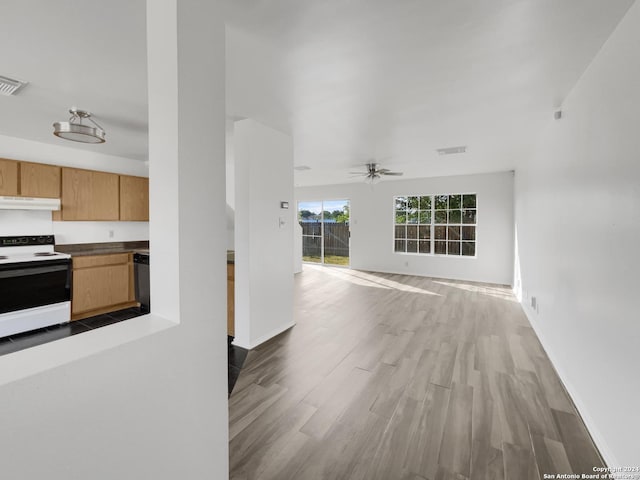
x: 141, y: 272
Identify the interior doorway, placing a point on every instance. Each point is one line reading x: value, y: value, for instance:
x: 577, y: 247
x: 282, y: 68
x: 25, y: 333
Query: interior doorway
x: 325, y: 231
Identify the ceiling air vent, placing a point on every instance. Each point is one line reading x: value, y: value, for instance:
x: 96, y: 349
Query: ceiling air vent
x: 9, y: 86
x: 451, y: 150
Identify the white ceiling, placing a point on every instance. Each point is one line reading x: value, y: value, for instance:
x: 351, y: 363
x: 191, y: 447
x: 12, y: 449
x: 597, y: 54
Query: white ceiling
x: 87, y: 54
x: 394, y: 80
x: 351, y: 80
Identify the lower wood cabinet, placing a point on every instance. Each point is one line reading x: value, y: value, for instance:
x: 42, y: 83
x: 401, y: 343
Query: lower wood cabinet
x: 102, y: 284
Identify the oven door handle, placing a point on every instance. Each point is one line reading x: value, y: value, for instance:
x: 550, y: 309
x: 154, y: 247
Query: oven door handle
x: 21, y: 272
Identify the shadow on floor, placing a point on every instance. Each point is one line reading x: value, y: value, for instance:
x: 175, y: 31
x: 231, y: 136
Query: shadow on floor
x: 236, y: 356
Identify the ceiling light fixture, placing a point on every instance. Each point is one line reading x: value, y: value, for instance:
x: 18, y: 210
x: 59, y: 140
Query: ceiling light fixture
x: 76, y: 131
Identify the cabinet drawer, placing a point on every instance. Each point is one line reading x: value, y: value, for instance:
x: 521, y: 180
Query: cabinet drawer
x: 100, y: 260
x: 100, y: 287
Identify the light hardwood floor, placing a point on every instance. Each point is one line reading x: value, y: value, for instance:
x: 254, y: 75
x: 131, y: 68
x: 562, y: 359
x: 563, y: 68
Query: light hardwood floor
x: 400, y: 377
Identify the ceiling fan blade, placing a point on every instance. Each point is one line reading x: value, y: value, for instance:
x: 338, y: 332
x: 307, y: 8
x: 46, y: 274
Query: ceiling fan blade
x: 358, y: 173
x: 382, y: 170
x: 396, y: 174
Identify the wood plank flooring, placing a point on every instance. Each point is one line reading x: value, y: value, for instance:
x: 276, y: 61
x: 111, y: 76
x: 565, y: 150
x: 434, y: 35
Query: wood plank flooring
x: 396, y: 377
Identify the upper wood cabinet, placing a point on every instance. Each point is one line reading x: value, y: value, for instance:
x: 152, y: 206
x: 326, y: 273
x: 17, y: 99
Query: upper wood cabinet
x: 38, y: 180
x: 89, y: 195
x: 134, y: 198
x: 8, y: 177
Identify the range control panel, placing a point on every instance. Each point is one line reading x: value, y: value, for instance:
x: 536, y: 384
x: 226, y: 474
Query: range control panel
x: 27, y: 240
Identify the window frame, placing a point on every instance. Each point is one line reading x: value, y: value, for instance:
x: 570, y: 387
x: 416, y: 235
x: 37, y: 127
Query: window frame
x: 432, y: 225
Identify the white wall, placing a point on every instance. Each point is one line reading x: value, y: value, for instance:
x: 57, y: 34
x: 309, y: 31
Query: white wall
x: 70, y: 232
x: 230, y: 184
x: 372, y: 218
x: 578, y: 225
x: 263, y: 268
x: 155, y: 407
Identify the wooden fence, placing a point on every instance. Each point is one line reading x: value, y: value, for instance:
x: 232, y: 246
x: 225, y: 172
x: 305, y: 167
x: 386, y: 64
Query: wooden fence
x: 336, y: 239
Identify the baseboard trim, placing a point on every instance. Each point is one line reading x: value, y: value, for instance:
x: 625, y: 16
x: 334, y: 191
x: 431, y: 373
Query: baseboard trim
x: 265, y: 338
x: 602, y: 446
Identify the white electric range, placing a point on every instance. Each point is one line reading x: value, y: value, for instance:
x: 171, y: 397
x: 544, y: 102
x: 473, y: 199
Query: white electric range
x: 35, y: 284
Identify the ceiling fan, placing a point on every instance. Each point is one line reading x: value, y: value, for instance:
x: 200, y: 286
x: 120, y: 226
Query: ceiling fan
x: 374, y: 174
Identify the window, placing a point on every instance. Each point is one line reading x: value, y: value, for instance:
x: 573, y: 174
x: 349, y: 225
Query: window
x: 436, y: 224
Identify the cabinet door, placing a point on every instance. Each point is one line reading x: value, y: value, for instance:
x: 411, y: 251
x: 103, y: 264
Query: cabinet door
x: 37, y: 180
x: 134, y: 198
x: 89, y: 195
x: 8, y: 177
x: 100, y: 287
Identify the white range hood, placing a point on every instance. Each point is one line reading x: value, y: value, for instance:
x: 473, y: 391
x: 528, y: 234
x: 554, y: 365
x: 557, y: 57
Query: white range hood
x: 28, y: 203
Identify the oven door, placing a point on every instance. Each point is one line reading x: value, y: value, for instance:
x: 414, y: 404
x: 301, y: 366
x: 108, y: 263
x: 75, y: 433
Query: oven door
x: 33, y: 284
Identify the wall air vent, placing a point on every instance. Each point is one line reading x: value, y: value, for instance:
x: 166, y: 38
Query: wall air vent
x: 9, y: 86
x: 301, y: 168
x: 451, y: 150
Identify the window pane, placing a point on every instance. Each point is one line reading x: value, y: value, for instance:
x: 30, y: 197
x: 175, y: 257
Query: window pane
x: 311, y: 249
x: 413, y: 203
x: 455, y: 216
x: 455, y: 201
x: 412, y: 216
x: 401, y: 203
x: 412, y: 246
x: 424, y: 247
x: 468, y: 233
x: 424, y: 233
x: 440, y: 248
x: 401, y: 218
x: 440, y: 233
x: 453, y: 248
x: 454, y: 233
x: 468, y: 249
x: 401, y: 231
x: 441, y: 216
x: 425, y: 203
x: 469, y: 201
x: 400, y: 245
x: 468, y: 216
x: 441, y: 202
x: 425, y: 217
x: 412, y: 231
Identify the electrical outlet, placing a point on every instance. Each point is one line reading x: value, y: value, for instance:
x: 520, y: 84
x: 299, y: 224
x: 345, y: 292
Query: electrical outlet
x: 110, y: 233
x: 534, y: 303
x: 406, y: 264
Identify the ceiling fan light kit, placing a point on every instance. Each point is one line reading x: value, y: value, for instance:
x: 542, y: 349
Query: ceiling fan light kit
x: 76, y: 131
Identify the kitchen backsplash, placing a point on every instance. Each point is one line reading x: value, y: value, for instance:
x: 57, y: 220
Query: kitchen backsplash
x: 25, y: 222
x: 95, y: 232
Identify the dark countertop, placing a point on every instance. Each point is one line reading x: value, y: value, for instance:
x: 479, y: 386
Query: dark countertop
x: 79, y: 249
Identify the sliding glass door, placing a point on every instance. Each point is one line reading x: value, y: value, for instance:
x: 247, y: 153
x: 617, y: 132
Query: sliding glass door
x: 325, y: 231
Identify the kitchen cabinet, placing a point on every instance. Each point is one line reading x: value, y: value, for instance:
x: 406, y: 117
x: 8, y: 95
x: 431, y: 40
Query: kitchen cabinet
x: 231, y: 299
x: 134, y: 198
x: 8, y: 177
x: 39, y: 180
x: 90, y: 195
x: 101, y: 284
